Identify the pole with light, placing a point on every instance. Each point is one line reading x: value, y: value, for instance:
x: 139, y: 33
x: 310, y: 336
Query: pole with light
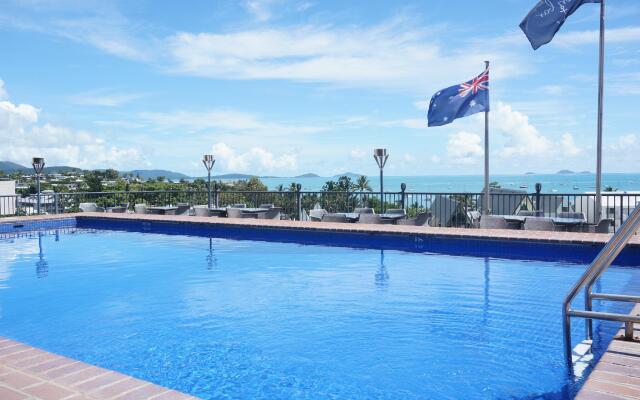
x: 208, y: 162
x: 381, y: 156
x: 38, y: 166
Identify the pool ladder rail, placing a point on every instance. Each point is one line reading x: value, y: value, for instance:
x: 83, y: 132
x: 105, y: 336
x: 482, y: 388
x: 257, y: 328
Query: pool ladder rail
x: 599, y: 265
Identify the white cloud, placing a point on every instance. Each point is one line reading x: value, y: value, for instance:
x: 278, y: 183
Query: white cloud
x: 616, y: 35
x: 435, y: 159
x: 3, y: 91
x: 625, y: 142
x: 228, y: 120
x: 568, y: 146
x: 408, y: 158
x: 104, y: 98
x: 422, y: 105
x: 523, y: 139
x: 22, y: 137
x: 357, y: 153
x: 256, y: 159
x: 343, y: 56
x: 464, y: 148
x: 260, y: 9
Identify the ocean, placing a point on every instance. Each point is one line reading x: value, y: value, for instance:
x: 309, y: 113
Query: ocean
x: 551, y: 183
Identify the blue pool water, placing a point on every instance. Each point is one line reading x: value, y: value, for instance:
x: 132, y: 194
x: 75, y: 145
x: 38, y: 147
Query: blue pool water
x: 222, y: 318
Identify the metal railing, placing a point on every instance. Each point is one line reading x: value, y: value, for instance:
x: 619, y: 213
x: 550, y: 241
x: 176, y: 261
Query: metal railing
x: 448, y: 209
x: 599, y: 265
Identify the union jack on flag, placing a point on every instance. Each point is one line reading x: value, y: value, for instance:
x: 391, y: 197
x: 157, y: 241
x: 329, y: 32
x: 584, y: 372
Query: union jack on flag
x: 479, y: 83
x: 460, y: 100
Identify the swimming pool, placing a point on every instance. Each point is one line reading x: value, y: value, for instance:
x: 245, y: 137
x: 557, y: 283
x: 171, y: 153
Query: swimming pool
x: 228, y: 318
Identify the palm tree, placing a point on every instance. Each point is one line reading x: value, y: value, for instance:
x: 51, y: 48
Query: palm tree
x: 363, y: 185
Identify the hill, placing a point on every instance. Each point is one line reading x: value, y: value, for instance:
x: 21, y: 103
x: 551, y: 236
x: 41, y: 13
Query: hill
x: 308, y: 175
x: 154, y: 173
x: 11, y: 167
x: 565, y: 172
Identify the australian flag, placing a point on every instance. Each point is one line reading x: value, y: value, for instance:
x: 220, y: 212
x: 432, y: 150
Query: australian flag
x: 546, y: 18
x: 460, y: 100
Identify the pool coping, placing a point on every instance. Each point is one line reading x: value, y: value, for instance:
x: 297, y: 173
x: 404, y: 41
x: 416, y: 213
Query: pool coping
x: 617, y: 373
x: 29, y: 373
x: 459, y: 233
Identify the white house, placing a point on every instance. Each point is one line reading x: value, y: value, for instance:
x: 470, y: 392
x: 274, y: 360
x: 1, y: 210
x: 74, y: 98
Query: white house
x: 7, y: 197
x: 615, y: 205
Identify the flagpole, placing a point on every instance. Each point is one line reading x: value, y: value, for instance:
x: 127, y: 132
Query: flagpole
x: 598, y: 213
x: 487, y: 192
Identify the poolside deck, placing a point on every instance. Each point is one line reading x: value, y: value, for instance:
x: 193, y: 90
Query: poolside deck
x: 617, y: 374
x: 33, y: 374
x: 507, y: 234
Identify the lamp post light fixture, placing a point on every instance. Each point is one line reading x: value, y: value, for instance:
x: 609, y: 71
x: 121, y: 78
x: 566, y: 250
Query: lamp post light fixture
x: 208, y: 162
x: 38, y: 166
x: 381, y: 156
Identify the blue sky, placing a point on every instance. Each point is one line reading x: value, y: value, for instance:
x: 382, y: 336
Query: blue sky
x: 279, y: 87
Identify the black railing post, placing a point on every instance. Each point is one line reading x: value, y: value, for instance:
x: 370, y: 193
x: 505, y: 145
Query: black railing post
x: 538, y: 190
x: 403, y: 188
x: 299, y: 201
x: 216, y: 194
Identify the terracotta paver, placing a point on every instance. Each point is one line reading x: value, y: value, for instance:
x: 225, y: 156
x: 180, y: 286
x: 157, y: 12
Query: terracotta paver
x: 47, y: 376
x: 617, y: 374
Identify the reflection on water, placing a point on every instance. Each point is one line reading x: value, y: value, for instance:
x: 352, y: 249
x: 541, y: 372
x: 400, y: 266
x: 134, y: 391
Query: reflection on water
x: 382, y: 276
x: 42, y: 267
x: 212, y: 260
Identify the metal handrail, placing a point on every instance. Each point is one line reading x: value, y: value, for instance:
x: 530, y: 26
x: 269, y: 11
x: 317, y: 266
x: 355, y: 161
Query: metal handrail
x: 599, y: 265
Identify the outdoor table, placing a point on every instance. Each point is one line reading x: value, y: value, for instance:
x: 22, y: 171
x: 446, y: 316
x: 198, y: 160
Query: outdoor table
x: 162, y: 210
x: 392, y: 217
x: 556, y: 220
x: 351, y: 217
x: 116, y: 209
x: 218, y: 212
x: 253, y: 210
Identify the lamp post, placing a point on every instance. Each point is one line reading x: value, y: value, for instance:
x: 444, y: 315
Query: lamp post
x: 381, y: 156
x: 38, y: 166
x: 208, y: 162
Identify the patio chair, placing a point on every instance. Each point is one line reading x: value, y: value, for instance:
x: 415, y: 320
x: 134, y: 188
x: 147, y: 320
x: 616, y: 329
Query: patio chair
x: 474, y: 218
x: 604, y: 226
x: 396, y: 211
x: 233, y: 212
x: 266, y: 205
x: 493, y: 222
x: 201, y: 211
x: 90, y: 207
x: 539, y: 224
x: 366, y: 210
x: 273, y: 213
x: 317, y: 214
x: 422, y: 219
x: 140, y: 208
x: 334, y: 218
x: 574, y: 215
x: 183, y: 209
x: 118, y: 210
x: 369, y: 218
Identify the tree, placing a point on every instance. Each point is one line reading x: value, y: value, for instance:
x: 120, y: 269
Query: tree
x: 111, y: 174
x: 93, y: 180
x: 362, y: 184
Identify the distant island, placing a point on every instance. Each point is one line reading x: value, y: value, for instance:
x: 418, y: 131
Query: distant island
x: 308, y: 175
x: 530, y: 173
x: 569, y: 172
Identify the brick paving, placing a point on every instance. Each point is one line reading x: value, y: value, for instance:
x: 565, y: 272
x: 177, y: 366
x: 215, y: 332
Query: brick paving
x: 27, y: 373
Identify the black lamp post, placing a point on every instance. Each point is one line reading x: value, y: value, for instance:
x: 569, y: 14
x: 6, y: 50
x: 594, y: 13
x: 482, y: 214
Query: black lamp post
x: 381, y: 156
x: 208, y: 162
x: 38, y: 166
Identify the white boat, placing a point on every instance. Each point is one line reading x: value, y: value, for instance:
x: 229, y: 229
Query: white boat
x: 524, y: 186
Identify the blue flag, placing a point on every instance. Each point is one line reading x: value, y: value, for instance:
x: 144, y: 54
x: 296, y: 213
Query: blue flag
x: 460, y: 100
x: 546, y: 18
